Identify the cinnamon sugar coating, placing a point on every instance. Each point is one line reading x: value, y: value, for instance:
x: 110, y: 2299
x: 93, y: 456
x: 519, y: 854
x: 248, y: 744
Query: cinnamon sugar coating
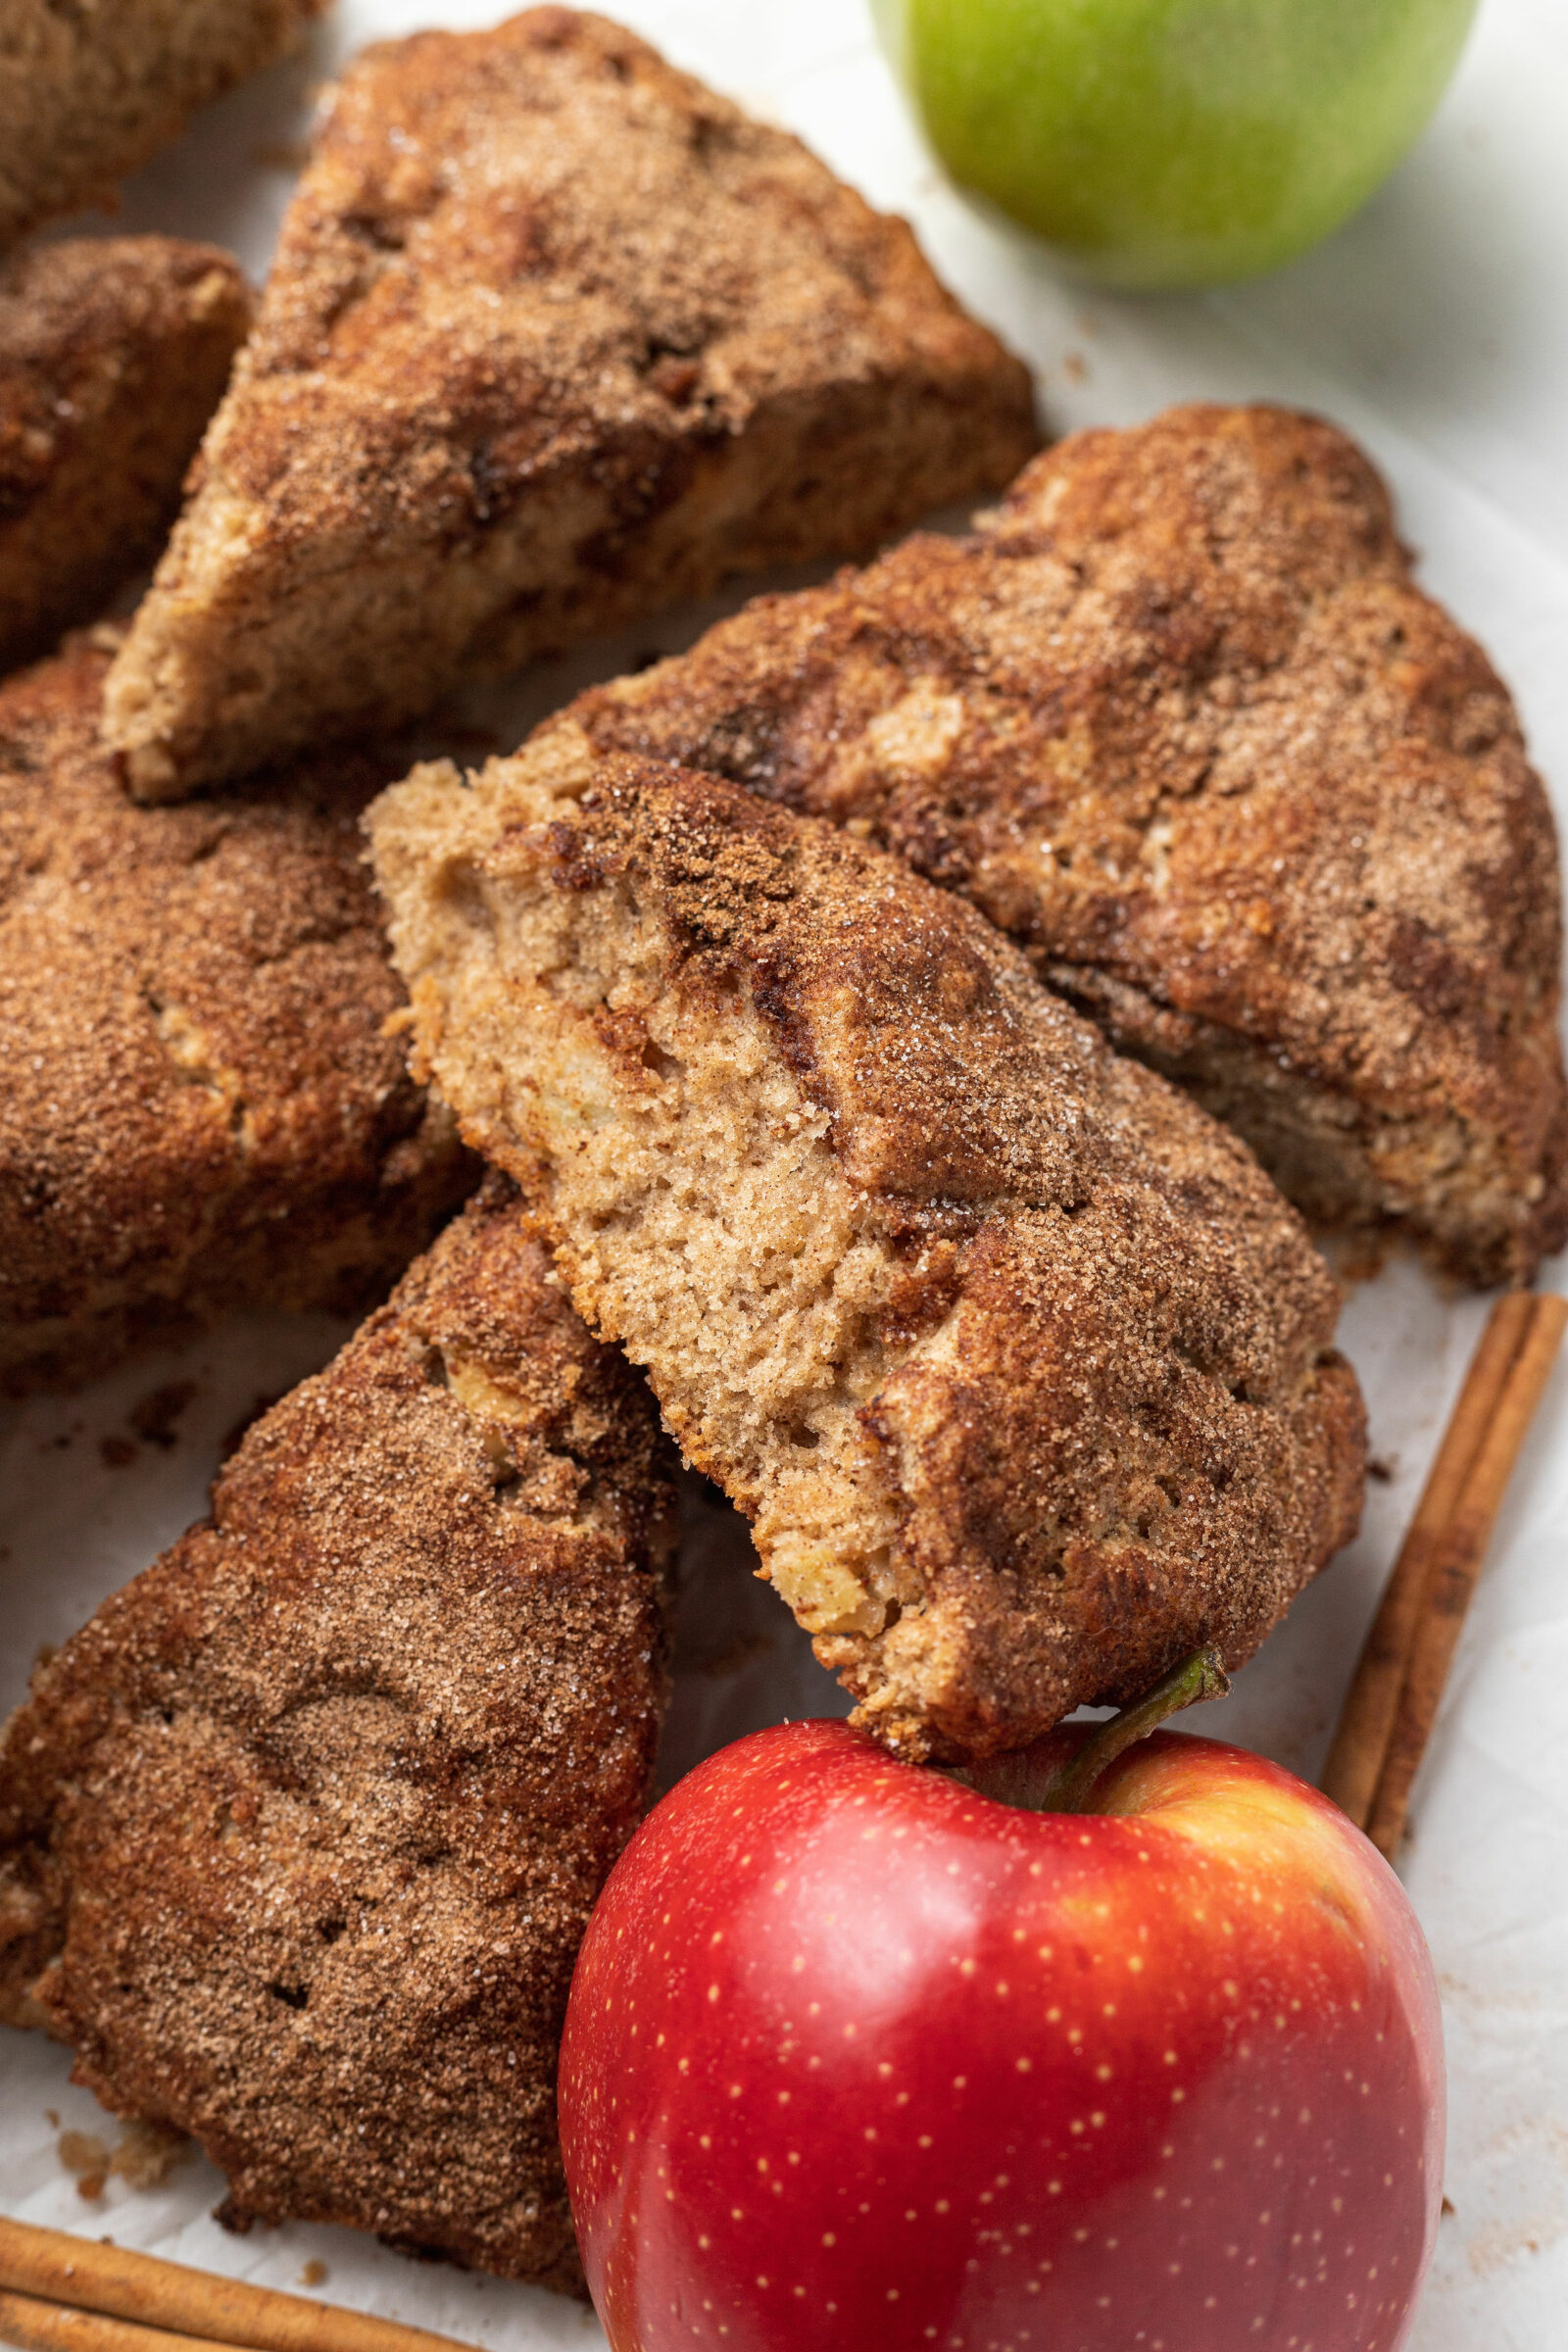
x: 299, y: 1834
x: 1177, y: 719
x: 1020, y: 1366
x: 199, y: 1106
x: 89, y: 93
x: 554, y: 336
x: 113, y: 354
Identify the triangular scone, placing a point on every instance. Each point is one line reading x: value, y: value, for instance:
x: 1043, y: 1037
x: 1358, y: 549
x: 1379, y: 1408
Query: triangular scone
x: 299, y: 1834
x: 1178, y: 719
x: 113, y: 352
x: 554, y: 335
x: 1019, y: 1364
x: 205, y: 1102
x: 88, y: 93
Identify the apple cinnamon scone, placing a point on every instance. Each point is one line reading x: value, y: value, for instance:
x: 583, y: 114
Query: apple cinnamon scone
x: 1020, y: 1366
x: 553, y: 336
x: 300, y: 1834
x: 200, y: 1106
x: 1178, y: 719
x: 88, y: 94
x: 113, y: 352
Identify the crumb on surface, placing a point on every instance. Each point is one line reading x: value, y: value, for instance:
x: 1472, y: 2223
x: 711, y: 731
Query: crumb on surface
x: 156, y: 1417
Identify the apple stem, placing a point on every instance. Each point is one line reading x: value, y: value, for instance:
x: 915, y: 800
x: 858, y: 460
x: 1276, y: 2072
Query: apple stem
x: 1199, y: 1676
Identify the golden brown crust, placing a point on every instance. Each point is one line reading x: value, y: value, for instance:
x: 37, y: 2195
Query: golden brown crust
x: 554, y: 335
x: 198, y: 1109
x: 1177, y: 719
x: 303, y: 1828
x: 88, y: 94
x: 1022, y: 1366
x: 113, y: 353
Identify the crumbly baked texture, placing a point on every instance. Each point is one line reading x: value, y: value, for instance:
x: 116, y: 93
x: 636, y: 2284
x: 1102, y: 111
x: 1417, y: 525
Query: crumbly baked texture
x: 1176, y: 719
x: 1019, y: 1364
x: 299, y: 1834
x: 554, y: 336
x: 200, y: 1108
x: 113, y: 354
x: 88, y: 93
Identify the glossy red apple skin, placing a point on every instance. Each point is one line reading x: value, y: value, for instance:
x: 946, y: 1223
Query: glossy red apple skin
x: 859, y: 2058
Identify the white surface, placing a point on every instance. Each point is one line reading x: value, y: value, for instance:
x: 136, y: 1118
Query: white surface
x: 1436, y: 326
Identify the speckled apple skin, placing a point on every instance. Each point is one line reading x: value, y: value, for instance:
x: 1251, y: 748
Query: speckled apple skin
x: 859, y: 2058
x: 1174, y: 143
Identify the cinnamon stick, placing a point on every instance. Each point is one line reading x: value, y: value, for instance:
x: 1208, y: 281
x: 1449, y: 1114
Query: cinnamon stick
x: 55, y: 2268
x: 41, y: 2326
x: 1366, y: 1724
x: 1458, y: 1566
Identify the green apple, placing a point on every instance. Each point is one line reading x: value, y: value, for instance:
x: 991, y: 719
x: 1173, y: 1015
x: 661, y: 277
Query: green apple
x: 1174, y: 143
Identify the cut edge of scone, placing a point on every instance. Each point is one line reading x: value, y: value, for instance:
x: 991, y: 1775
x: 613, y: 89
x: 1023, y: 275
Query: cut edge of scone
x: 750, y: 1143
x: 705, y: 1215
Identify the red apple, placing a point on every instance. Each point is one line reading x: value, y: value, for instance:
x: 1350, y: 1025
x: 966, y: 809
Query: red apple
x: 860, y: 2057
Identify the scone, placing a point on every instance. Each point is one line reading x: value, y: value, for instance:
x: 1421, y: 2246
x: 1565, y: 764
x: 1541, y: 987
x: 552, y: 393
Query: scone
x: 1018, y: 1363
x: 299, y: 1834
x: 113, y: 353
x: 553, y: 336
x: 200, y: 1107
x: 1177, y: 719
x: 88, y: 93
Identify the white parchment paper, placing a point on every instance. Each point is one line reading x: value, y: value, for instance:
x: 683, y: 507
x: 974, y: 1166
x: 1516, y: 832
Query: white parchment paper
x: 1436, y: 327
